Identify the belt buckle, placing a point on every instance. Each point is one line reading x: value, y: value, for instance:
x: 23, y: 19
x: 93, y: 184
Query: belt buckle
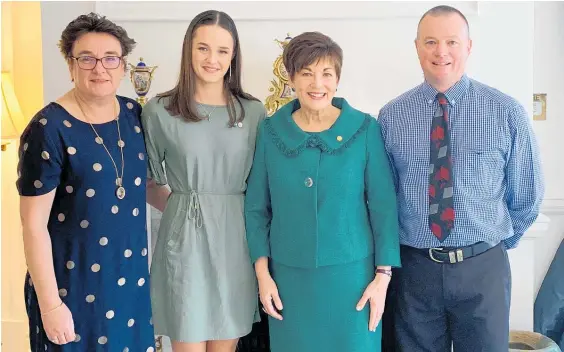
x: 432, y: 257
x: 454, y: 257
x: 459, y: 255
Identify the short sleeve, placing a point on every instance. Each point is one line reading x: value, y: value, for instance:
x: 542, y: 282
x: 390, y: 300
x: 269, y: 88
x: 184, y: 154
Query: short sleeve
x: 155, y: 151
x: 262, y: 114
x: 40, y: 158
x: 134, y: 106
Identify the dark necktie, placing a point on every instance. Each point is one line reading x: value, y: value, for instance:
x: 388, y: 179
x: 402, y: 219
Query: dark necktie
x: 441, y: 208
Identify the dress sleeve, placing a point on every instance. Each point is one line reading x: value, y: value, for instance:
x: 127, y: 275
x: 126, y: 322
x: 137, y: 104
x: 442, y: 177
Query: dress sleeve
x: 381, y: 198
x: 155, y: 149
x: 258, y: 212
x: 262, y: 114
x: 41, y: 153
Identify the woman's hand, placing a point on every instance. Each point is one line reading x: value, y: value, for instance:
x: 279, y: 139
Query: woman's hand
x: 268, y: 292
x: 376, y: 294
x: 58, y: 325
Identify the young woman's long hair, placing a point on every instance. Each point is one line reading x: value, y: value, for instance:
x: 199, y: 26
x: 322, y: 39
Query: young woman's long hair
x: 182, y: 100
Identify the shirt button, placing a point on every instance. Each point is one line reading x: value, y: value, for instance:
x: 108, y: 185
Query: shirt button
x: 308, y: 182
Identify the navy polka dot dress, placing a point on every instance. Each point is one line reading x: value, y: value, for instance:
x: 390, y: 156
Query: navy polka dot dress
x: 99, y: 242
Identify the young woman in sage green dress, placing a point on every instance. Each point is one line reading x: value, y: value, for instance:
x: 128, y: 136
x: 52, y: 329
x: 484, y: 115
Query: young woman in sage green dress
x: 204, y: 291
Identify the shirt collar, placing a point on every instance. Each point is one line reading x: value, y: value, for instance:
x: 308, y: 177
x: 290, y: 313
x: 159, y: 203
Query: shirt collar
x: 453, y: 94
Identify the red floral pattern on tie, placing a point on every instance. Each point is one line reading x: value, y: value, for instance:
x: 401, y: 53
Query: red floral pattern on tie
x: 441, y: 206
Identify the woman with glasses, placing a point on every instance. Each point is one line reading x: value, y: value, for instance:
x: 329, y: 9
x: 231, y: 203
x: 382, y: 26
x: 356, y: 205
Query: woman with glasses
x: 81, y: 180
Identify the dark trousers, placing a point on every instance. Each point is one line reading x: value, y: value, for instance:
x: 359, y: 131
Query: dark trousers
x: 432, y: 306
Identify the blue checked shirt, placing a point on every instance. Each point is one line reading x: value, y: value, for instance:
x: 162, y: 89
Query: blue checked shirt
x: 498, y: 183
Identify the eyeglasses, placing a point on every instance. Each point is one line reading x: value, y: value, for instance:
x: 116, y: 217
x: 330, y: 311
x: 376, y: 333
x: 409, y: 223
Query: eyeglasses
x: 89, y: 62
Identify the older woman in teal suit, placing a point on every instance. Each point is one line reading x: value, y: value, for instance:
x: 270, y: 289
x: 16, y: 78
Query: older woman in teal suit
x: 320, y: 212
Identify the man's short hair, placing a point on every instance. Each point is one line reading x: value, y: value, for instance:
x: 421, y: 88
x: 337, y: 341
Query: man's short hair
x: 443, y: 10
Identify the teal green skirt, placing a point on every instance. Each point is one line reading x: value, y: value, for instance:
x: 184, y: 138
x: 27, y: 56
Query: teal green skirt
x: 320, y: 309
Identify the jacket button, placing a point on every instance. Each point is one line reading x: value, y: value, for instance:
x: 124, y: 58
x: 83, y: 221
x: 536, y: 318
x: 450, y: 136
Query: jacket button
x: 308, y: 182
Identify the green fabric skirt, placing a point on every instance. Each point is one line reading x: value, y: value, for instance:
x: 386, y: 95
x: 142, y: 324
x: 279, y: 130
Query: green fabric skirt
x: 320, y: 309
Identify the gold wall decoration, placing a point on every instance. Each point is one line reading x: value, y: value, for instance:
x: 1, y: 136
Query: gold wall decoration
x: 281, y: 91
x: 539, y: 107
x: 159, y: 343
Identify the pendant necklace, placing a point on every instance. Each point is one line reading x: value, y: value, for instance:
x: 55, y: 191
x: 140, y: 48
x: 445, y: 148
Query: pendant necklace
x: 208, y: 114
x: 120, y: 190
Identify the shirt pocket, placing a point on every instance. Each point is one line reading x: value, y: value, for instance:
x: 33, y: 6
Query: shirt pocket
x: 479, y: 172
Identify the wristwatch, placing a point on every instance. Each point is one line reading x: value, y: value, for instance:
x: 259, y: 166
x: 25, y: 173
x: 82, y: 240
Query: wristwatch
x: 384, y: 271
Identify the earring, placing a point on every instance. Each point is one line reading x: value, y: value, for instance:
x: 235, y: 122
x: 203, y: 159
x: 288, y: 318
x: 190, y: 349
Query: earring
x: 229, y: 73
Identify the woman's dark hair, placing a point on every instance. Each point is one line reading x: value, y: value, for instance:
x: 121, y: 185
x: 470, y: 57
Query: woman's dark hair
x: 309, y: 47
x: 93, y: 23
x: 182, y: 100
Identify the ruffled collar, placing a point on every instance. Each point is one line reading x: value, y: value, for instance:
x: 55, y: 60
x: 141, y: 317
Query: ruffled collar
x: 291, y: 139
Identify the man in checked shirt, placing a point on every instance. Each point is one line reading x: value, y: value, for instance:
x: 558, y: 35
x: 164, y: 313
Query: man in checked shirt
x: 469, y: 184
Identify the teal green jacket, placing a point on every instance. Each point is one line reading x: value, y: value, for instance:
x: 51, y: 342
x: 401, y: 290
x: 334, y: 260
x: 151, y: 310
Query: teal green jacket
x: 316, y: 199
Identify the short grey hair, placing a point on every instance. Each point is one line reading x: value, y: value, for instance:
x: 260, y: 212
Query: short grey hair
x: 442, y: 10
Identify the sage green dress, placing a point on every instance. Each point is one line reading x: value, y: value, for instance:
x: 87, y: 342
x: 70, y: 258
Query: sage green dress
x: 203, y: 285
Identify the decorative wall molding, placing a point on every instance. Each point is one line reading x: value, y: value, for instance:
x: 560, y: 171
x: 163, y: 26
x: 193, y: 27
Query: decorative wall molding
x: 553, y: 206
x: 550, y: 208
x: 538, y: 228
x: 152, y: 11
